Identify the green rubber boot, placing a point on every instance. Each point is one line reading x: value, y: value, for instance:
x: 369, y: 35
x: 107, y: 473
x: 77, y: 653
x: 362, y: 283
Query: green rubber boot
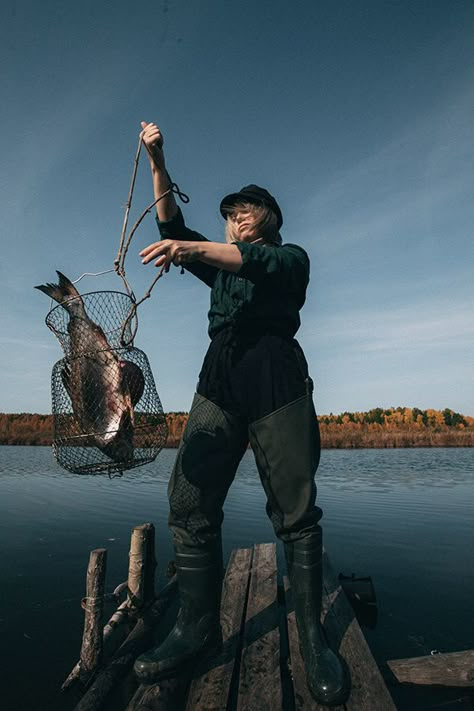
x: 325, y: 675
x: 197, y: 629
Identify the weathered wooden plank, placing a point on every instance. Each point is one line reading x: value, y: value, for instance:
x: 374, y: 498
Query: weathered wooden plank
x: 302, y: 695
x: 260, y: 683
x: 165, y: 696
x: 368, y: 690
x: 451, y: 669
x: 210, y: 691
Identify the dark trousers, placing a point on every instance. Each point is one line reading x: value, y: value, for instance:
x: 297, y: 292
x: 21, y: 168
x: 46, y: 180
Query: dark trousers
x: 286, y: 448
x: 250, y: 390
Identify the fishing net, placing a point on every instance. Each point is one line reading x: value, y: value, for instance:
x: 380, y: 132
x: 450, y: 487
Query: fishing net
x: 107, y: 413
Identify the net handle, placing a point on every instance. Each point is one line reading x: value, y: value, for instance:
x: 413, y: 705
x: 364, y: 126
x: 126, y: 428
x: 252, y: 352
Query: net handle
x: 119, y: 263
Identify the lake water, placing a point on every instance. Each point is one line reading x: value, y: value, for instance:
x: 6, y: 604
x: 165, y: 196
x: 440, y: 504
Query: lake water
x: 402, y: 516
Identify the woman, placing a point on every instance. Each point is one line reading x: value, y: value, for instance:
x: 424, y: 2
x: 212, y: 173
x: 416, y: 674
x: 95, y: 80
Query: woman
x: 254, y: 386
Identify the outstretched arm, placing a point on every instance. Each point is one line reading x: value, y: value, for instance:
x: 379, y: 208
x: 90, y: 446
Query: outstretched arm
x: 152, y: 139
x: 222, y: 256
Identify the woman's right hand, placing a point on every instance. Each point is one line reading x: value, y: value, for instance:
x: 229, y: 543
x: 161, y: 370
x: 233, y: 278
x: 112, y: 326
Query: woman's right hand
x: 153, y: 140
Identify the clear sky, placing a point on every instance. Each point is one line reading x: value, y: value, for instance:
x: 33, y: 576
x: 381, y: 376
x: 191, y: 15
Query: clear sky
x: 357, y: 116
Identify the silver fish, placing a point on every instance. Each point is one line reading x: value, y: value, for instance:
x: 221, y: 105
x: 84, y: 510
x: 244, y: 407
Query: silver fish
x: 95, y: 379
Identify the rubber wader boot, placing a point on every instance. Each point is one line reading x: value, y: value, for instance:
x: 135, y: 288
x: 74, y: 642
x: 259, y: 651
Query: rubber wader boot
x: 326, y: 678
x: 197, y: 630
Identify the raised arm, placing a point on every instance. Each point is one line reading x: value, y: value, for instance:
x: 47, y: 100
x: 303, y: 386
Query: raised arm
x: 152, y: 139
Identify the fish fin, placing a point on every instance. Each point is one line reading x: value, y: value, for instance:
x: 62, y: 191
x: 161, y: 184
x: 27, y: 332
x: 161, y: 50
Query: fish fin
x: 61, y: 292
x: 132, y: 380
x: 65, y: 293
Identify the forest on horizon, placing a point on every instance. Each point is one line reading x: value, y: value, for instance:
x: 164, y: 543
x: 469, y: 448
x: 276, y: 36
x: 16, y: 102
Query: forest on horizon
x: 376, y: 428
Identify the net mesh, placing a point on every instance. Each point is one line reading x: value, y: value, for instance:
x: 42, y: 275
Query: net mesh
x: 107, y: 414
x: 112, y: 311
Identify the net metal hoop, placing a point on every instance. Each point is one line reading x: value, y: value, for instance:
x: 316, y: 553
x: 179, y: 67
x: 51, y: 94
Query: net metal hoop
x: 119, y: 335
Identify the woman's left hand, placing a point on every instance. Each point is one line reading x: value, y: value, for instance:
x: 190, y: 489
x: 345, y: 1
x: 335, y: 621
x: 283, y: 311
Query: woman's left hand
x: 170, y: 251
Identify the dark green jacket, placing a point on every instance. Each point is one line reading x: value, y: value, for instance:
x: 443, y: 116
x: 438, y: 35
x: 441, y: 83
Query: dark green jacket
x: 264, y: 296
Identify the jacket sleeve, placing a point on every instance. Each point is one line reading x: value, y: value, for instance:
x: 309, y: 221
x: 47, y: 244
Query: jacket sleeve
x: 286, y: 266
x: 176, y: 229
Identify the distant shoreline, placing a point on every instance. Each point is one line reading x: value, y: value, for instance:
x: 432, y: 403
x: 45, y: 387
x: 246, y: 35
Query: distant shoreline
x: 393, y: 428
x: 450, y: 445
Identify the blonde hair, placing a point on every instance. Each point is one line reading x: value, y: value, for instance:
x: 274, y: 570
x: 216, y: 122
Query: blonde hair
x: 265, y: 221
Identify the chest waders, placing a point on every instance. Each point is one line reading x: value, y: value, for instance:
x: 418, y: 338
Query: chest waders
x: 286, y: 446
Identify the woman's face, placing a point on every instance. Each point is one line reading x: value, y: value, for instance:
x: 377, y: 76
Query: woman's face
x: 244, y: 224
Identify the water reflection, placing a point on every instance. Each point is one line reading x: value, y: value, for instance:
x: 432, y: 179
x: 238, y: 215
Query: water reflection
x: 367, y: 467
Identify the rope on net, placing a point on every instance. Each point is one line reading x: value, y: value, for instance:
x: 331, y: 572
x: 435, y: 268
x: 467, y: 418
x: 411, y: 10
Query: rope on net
x: 91, y: 603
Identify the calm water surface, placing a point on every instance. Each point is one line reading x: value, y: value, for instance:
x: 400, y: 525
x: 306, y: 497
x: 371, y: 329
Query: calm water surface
x: 402, y: 516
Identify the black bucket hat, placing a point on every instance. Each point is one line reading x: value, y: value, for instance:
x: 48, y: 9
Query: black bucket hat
x: 254, y: 194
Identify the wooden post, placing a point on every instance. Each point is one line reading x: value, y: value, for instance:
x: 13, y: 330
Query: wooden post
x: 110, y: 639
x: 142, y: 564
x: 140, y: 585
x: 91, y: 649
x: 137, y: 642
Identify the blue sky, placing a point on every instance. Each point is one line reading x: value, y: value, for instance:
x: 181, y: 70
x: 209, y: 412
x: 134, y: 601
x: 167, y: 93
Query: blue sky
x: 358, y: 117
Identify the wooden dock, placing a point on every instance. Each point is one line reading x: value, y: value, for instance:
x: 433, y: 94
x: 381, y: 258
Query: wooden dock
x: 260, y: 666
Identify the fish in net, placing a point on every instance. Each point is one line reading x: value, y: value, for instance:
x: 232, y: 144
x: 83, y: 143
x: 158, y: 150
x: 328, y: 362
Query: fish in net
x: 107, y: 413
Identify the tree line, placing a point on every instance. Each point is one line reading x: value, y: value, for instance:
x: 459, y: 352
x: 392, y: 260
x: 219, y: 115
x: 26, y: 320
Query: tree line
x: 393, y: 427
x: 397, y: 427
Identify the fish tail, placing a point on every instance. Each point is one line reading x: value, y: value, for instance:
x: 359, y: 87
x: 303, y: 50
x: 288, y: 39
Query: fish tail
x: 63, y: 293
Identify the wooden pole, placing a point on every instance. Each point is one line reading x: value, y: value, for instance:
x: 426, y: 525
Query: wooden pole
x: 91, y: 649
x: 119, y: 617
x: 142, y: 564
x: 140, y: 585
x: 137, y: 642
